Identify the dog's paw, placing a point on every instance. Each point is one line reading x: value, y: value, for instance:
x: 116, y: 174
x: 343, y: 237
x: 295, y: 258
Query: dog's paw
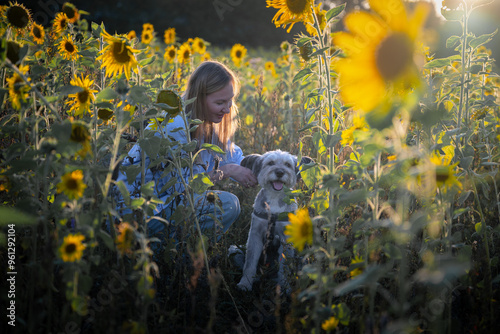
x: 244, y: 285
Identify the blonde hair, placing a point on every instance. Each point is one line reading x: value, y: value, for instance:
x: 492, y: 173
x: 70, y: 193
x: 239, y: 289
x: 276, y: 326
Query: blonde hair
x: 210, y: 77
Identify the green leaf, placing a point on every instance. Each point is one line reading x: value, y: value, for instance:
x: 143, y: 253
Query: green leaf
x: 452, y: 42
x: 14, y: 216
x: 302, y: 74
x: 212, y: 147
x: 106, y: 94
x: 334, y: 12
x: 483, y: 39
x: 106, y: 239
x: 69, y: 89
x: 303, y: 41
x: 150, y: 145
x: 147, y: 61
x: 138, y: 94
x: 200, y: 183
x: 441, y: 62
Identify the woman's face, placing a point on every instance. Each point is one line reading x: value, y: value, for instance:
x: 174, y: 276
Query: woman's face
x: 219, y: 103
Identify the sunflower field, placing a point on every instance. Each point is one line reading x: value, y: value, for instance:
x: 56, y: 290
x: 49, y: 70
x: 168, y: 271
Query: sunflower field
x: 398, y: 227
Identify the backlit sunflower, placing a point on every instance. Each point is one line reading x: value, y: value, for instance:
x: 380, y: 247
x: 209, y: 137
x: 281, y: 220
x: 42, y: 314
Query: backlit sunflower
x: 131, y: 35
x: 169, y: 36
x: 199, y: 45
x: 72, y: 248
x: 18, y: 90
x: 358, y: 124
x: 80, y: 134
x: 380, y: 48
x: 290, y: 11
x: 170, y: 54
x: 38, y: 33
x: 148, y: 27
x: 60, y: 23
x: 330, y: 324
x: 238, y: 52
x: 117, y: 56
x: 81, y: 101
x: 321, y: 16
x: 357, y: 264
x: 269, y: 66
x: 71, y: 12
x: 444, y: 171
x: 72, y: 184
x: 17, y: 16
x: 300, y: 229
x: 184, y: 53
x: 68, y: 48
x: 125, y: 238
x: 147, y: 36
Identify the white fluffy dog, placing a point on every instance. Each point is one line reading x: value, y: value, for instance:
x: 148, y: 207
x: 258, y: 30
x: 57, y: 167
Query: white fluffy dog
x: 275, y: 171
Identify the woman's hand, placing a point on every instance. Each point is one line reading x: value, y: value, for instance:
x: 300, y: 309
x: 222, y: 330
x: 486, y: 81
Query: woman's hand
x: 241, y: 174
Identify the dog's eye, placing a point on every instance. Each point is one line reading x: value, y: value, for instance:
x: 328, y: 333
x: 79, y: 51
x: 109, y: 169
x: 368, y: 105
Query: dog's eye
x: 287, y: 164
x: 270, y: 163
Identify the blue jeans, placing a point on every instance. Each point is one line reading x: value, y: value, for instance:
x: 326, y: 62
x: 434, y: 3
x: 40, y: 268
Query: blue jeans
x: 205, y: 210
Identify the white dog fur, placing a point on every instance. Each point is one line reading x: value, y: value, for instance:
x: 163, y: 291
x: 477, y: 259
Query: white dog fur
x: 275, y: 171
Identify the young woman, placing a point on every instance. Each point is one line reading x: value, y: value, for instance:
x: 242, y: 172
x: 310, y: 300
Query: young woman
x: 215, y: 88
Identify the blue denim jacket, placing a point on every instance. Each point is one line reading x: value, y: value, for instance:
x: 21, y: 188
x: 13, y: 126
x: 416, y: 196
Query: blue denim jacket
x: 204, y: 163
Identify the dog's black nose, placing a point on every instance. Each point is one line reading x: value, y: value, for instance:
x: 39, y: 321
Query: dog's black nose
x: 279, y: 173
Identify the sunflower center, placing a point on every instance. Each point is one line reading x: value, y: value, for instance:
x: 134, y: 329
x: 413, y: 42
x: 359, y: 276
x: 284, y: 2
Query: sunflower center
x: 79, y: 134
x: 393, y: 56
x: 171, y: 53
x: 297, y: 6
x: 18, y: 17
x: 70, y: 248
x: 83, y: 96
x: 120, y: 52
x: 69, y: 47
x: 304, y: 229
x: 37, y: 33
x: 238, y: 54
x: 442, y: 177
x: 72, y: 184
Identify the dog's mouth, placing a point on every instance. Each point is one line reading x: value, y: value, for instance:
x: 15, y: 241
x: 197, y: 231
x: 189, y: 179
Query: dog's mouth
x: 277, y: 185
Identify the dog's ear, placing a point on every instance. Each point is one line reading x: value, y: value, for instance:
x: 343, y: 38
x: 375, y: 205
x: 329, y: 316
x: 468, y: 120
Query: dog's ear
x: 304, y: 160
x: 253, y: 162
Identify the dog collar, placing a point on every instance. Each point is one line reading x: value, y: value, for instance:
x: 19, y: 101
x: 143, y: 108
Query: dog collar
x: 265, y: 215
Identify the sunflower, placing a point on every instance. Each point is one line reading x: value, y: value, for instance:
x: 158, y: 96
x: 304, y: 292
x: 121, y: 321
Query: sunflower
x: 60, y: 23
x: 72, y: 184
x: 379, y: 53
x: 131, y: 35
x: 330, y: 324
x: 444, y: 171
x: 206, y: 56
x: 321, y: 16
x: 18, y: 90
x: 17, y: 16
x: 81, y: 100
x: 71, y: 12
x: 238, y: 52
x: 269, y: 66
x: 68, y: 49
x: 147, y: 36
x: 169, y: 36
x: 38, y: 33
x: 80, y: 134
x: 358, y: 124
x: 184, y: 53
x: 170, y: 54
x: 117, y: 56
x: 199, y: 45
x: 125, y: 238
x: 172, y: 99
x: 300, y: 229
x: 357, y: 263
x: 72, y: 248
x: 148, y: 27
x: 290, y: 11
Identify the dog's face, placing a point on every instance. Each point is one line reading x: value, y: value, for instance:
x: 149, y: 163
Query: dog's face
x: 274, y: 170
